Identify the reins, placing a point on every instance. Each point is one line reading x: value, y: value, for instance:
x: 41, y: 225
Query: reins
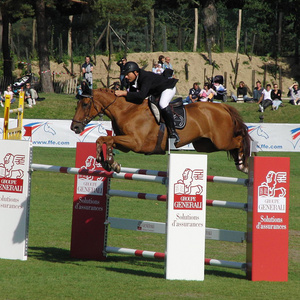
x: 88, y: 118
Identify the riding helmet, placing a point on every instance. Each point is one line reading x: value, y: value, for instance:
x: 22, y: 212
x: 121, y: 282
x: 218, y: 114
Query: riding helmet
x: 131, y: 66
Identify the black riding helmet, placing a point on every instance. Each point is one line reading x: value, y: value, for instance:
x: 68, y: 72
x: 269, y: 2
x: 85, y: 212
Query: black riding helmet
x: 131, y: 66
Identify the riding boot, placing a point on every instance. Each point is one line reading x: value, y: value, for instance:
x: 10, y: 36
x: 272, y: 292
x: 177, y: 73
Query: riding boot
x: 169, y: 120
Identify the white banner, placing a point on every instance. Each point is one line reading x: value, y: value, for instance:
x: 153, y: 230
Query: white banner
x: 186, y: 217
x: 15, y: 159
x: 57, y: 133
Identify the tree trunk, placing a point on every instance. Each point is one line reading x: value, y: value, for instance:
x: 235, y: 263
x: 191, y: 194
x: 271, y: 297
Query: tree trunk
x: 238, y: 35
x: 151, y: 30
x: 279, y: 33
x: 33, y: 37
x: 196, y: 30
x: 107, y: 36
x: 164, y: 36
x: 42, y: 35
x: 70, y: 36
x: 7, y: 65
x: 209, y: 23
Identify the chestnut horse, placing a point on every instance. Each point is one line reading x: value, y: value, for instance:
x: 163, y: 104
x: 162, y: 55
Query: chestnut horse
x: 209, y: 127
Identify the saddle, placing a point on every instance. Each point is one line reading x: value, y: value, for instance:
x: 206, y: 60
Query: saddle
x: 177, y: 107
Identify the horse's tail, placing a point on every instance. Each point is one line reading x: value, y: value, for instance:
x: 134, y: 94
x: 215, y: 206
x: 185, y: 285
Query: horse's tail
x: 240, y: 129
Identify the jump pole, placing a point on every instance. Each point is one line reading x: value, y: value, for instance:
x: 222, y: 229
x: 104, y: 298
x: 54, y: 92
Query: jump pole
x: 258, y: 266
x: 185, y: 246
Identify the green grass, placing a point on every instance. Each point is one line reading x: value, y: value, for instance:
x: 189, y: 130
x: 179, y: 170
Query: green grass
x: 50, y: 273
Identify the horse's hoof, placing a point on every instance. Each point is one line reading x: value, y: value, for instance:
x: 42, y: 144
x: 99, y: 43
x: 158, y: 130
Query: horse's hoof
x: 106, y: 166
x: 116, y: 167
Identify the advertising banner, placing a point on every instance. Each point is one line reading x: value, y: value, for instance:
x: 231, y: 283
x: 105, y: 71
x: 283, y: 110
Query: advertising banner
x: 185, y: 253
x: 268, y: 219
x: 15, y: 160
x: 57, y: 133
x: 89, y: 207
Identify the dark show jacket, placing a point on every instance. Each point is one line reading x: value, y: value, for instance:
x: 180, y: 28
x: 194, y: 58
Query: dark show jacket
x: 149, y: 83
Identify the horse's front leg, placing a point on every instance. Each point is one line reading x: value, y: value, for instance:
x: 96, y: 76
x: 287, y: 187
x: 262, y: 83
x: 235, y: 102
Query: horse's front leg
x: 106, y: 159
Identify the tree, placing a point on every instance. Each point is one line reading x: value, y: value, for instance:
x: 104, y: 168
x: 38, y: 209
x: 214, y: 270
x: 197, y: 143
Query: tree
x: 44, y: 63
x: 9, y: 16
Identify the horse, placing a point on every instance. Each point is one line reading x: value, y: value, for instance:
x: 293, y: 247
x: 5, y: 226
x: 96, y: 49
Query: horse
x: 209, y: 127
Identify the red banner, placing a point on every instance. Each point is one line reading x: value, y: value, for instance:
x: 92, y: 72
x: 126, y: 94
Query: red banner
x: 89, y: 207
x: 268, y: 219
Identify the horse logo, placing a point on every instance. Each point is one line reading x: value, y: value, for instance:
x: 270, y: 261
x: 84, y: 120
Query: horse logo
x: 259, y: 131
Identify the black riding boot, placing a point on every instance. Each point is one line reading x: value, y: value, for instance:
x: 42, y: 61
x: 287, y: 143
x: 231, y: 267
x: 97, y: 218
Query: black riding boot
x: 169, y: 120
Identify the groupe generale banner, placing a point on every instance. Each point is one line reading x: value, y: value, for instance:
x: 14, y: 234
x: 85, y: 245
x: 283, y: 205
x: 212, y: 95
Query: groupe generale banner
x: 56, y: 133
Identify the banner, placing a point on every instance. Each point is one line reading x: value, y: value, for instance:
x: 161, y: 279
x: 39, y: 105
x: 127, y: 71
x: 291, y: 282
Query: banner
x: 15, y: 160
x: 57, y: 133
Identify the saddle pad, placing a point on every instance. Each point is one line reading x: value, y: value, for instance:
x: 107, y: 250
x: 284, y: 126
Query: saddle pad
x: 179, y: 117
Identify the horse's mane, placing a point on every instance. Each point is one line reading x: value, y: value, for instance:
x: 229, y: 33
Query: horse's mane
x: 240, y: 128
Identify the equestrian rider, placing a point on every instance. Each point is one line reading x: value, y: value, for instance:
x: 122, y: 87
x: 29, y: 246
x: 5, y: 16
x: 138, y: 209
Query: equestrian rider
x: 143, y: 84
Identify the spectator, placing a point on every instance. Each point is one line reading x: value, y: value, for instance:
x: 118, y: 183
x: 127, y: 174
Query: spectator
x: 265, y: 99
x: 167, y: 64
x: 220, y: 91
x: 257, y: 92
x: 30, y: 95
x: 276, y: 97
x: 194, y: 94
x: 241, y: 92
x: 87, y: 70
x: 1, y: 100
x: 159, y: 70
x: 294, y: 93
x: 121, y: 63
x: 10, y: 93
x: 207, y: 93
x: 161, y: 60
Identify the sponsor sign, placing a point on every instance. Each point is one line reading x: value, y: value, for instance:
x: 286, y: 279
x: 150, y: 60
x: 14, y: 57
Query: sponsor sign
x: 57, y: 133
x: 186, y: 217
x: 89, y: 207
x: 268, y: 219
x: 15, y: 160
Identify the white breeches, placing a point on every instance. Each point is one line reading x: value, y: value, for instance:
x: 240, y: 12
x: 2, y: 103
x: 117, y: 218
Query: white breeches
x: 166, y: 96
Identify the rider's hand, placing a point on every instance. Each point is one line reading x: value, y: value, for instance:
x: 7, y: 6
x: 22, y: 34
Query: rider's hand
x: 120, y: 93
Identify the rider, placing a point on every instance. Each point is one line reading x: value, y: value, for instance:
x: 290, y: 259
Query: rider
x: 143, y: 84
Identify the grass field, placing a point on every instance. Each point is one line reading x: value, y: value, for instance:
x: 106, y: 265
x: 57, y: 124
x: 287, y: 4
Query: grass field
x: 50, y: 273
x: 60, y: 106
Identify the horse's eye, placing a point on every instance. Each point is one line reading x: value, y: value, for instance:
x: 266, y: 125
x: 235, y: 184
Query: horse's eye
x: 84, y: 104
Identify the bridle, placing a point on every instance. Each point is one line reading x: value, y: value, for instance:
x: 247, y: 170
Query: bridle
x: 88, y: 118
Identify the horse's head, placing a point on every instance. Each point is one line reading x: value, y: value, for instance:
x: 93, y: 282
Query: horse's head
x: 85, y: 112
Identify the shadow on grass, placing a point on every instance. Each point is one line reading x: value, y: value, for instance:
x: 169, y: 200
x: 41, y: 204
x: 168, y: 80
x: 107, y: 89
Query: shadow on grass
x: 51, y: 254
x: 58, y: 255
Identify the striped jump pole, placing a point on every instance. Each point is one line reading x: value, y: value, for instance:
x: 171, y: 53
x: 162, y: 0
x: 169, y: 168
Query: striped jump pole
x: 161, y: 256
x: 98, y: 173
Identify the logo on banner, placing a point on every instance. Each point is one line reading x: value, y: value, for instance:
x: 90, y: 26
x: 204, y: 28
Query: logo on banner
x: 271, y: 193
x: 259, y: 131
x: 188, y: 190
x: 87, y: 184
x: 31, y: 127
x: 12, y: 173
x: 295, y: 133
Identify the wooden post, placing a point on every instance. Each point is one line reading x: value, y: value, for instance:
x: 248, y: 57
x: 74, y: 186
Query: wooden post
x: 253, y: 79
x: 196, y: 29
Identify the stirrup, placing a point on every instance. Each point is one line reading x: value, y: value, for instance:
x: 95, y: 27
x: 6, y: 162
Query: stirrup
x: 176, y: 136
